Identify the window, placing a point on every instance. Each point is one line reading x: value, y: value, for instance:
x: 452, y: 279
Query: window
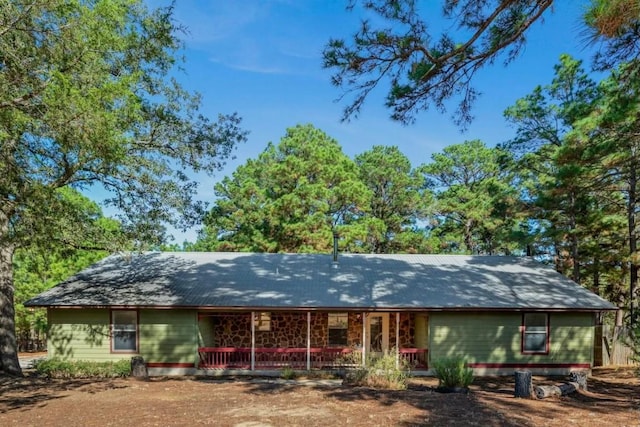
x: 338, y: 329
x: 535, y: 333
x: 262, y: 321
x: 124, y: 331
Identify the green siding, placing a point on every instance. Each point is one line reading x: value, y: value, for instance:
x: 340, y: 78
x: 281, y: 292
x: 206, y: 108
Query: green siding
x: 206, y: 332
x: 422, y: 330
x: 168, y: 336
x: 80, y: 335
x: 496, y: 338
x: 165, y: 336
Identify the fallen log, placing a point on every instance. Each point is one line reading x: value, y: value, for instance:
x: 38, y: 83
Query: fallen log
x: 543, y: 391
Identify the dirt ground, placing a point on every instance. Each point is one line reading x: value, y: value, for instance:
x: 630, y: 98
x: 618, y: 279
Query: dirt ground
x: 613, y: 400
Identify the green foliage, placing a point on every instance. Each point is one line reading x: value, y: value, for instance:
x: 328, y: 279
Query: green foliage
x: 399, y: 200
x: 289, y: 199
x: 475, y: 198
x: 288, y: 373
x: 452, y: 372
x: 89, y: 97
x: 577, y: 165
x: 38, y: 268
x: 294, y: 195
x: 59, y: 368
x: 380, y: 372
x: 425, y: 69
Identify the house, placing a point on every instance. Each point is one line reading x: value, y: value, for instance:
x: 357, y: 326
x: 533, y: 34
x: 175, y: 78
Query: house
x: 187, y: 313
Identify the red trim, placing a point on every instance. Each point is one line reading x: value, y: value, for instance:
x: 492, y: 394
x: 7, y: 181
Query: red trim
x: 530, y: 365
x: 276, y: 349
x: 412, y: 350
x: 170, y: 365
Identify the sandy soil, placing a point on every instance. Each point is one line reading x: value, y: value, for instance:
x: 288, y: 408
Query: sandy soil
x: 613, y: 399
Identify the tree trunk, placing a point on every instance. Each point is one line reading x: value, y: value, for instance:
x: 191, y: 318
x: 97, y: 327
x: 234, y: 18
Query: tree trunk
x: 9, y: 363
x: 596, y: 275
x: 468, y: 235
x: 139, y: 368
x: 524, y: 387
x: 575, y: 274
x: 633, y: 239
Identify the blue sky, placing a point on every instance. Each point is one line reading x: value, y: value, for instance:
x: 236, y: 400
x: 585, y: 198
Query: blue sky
x: 262, y: 59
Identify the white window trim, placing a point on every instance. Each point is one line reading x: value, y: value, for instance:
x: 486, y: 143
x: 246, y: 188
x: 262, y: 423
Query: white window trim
x: 114, y: 330
x: 546, y: 334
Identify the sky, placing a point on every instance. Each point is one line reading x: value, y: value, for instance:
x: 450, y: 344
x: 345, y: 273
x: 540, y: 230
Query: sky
x: 263, y: 60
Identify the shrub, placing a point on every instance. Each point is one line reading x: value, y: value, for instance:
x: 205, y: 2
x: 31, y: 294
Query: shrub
x: 380, y: 372
x: 288, y: 373
x: 452, y: 373
x: 59, y: 368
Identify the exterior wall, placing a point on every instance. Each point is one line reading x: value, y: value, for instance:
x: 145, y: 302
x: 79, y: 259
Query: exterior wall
x: 80, y: 335
x: 168, y: 336
x: 171, y: 337
x: 288, y: 329
x: 164, y: 336
x: 354, y: 329
x: 407, y: 330
x: 494, y: 340
x: 205, y: 332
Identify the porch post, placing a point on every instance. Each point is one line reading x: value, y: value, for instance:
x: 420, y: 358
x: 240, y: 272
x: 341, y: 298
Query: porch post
x: 397, y: 339
x: 364, y: 338
x: 308, y: 340
x: 253, y: 341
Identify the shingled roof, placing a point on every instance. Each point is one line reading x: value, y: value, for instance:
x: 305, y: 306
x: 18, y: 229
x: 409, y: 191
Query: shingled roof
x: 305, y: 281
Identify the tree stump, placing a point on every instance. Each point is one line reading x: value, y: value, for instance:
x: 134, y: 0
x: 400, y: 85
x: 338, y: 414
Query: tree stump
x: 523, y: 387
x: 579, y: 377
x: 543, y: 391
x: 139, y: 368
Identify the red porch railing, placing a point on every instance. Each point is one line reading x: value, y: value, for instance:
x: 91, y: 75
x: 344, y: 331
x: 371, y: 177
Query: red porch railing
x: 296, y: 358
x: 416, y: 358
x: 272, y: 358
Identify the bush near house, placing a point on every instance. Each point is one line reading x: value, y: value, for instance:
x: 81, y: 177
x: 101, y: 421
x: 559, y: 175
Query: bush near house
x: 380, y: 372
x: 58, y: 368
x: 288, y: 373
x: 452, y: 373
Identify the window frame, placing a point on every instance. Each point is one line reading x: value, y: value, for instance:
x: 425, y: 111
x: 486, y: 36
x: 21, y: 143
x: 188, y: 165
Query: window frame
x: 113, y: 331
x: 524, y: 332
x: 345, y: 328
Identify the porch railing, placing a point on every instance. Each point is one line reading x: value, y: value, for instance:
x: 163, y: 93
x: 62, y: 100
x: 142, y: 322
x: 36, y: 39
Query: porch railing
x: 295, y: 358
x: 416, y: 358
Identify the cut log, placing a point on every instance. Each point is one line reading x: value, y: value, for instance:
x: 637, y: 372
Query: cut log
x: 139, y: 368
x: 524, y: 386
x: 579, y: 377
x: 543, y: 391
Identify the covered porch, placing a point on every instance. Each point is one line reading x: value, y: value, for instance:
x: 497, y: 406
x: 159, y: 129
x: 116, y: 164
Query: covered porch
x: 310, y: 340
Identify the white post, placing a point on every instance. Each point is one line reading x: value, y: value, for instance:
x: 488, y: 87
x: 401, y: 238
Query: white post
x: 253, y: 341
x: 308, y: 340
x: 397, y: 339
x: 364, y: 338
